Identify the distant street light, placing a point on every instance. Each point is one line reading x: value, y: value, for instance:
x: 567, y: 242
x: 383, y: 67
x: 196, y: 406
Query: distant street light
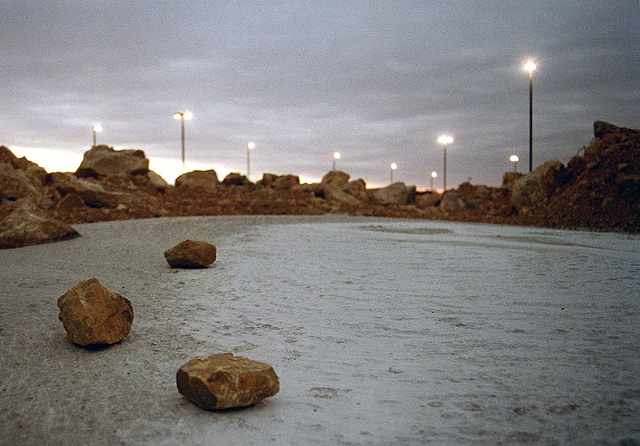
x: 336, y: 157
x: 530, y: 66
x: 182, y: 115
x: 433, y: 176
x: 445, y: 140
x: 514, y: 159
x: 96, y: 128
x: 393, y: 167
x: 250, y: 147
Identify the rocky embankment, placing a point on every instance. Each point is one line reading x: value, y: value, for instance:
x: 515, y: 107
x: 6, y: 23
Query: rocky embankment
x: 598, y: 189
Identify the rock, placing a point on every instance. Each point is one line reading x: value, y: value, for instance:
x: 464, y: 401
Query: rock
x: 204, y: 180
x: 286, y: 182
x: 337, y: 195
x: 70, y: 203
x: 235, y: 179
x: 601, y: 128
x: 536, y: 187
x: 104, y: 161
x: 29, y: 225
x: 267, y: 179
x: 91, y: 314
x: 157, y: 181
x: 428, y: 199
x: 336, y: 178
x: 509, y: 178
x: 224, y: 381
x: 451, y: 201
x: 191, y: 254
x: 357, y: 188
x: 20, y: 178
x: 396, y: 194
x: 90, y: 190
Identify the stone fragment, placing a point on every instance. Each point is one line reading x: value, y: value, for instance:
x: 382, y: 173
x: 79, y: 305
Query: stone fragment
x: 202, y: 180
x: 29, y: 225
x: 191, y: 254
x: 395, y: 194
x: 224, y: 381
x: 336, y: 178
x: 91, y: 314
x: 105, y: 161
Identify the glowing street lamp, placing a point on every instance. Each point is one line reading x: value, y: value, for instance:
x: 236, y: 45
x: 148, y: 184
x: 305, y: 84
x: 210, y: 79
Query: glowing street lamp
x: 336, y: 157
x: 250, y: 146
x: 433, y: 177
x: 445, y: 140
x: 393, y: 167
x: 96, y: 128
x: 514, y: 159
x: 530, y: 66
x: 182, y: 115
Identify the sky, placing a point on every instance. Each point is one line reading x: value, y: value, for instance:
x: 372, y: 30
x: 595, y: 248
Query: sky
x: 376, y: 81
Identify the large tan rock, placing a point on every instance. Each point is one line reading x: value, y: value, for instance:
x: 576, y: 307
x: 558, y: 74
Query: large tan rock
x: 20, y: 178
x: 336, y: 178
x: 91, y: 314
x: 337, y: 195
x: 29, y: 225
x: 191, y: 254
x: 396, y: 194
x: 224, y: 381
x: 204, y: 180
x: 286, y: 182
x: 90, y: 190
x: 537, y: 187
x: 105, y: 161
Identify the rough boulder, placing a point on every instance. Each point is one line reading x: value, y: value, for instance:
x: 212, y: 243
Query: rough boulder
x: 224, y: 381
x: 29, y: 225
x: 91, y: 314
x: 103, y: 161
x: 191, y: 254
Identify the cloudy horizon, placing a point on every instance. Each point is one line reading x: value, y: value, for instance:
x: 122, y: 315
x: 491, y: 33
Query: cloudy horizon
x: 376, y: 81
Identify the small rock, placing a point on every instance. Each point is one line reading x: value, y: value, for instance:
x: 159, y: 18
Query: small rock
x: 224, y: 381
x: 191, y: 254
x: 91, y: 314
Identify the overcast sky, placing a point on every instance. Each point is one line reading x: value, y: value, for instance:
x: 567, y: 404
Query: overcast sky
x: 377, y: 81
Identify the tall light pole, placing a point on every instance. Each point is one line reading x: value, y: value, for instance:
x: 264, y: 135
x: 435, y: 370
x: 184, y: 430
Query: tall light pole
x: 336, y: 157
x: 250, y: 147
x: 182, y: 115
x: 433, y: 177
x: 514, y: 159
x: 393, y: 167
x: 445, y: 140
x: 96, y: 128
x: 530, y: 66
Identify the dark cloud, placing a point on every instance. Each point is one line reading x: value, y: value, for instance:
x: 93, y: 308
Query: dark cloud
x: 378, y: 81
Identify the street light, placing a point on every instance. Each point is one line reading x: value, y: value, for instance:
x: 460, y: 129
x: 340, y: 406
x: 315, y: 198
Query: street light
x: 445, y: 140
x: 182, y: 115
x: 530, y: 66
x: 336, y: 157
x: 393, y: 166
x: 514, y: 159
x: 96, y: 128
x: 433, y: 176
x: 250, y: 146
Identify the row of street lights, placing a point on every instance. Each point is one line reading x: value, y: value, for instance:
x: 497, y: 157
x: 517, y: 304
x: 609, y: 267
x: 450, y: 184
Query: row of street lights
x: 445, y: 140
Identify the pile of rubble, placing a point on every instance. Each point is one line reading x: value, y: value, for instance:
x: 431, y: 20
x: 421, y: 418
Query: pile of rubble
x: 598, y: 189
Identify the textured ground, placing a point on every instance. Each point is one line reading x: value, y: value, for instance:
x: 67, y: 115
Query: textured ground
x: 382, y: 332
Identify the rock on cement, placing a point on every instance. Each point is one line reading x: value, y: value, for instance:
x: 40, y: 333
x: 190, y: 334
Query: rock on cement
x: 191, y: 254
x: 224, y: 381
x: 91, y: 314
